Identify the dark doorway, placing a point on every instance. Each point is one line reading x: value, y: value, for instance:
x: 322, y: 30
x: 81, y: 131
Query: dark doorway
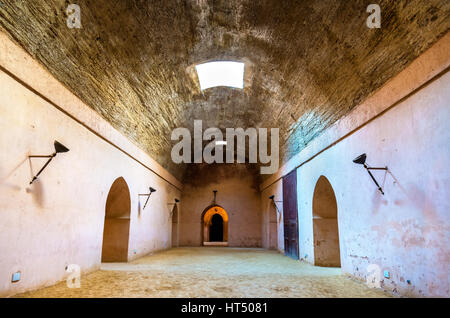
x: 290, y: 215
x: 216, y: 229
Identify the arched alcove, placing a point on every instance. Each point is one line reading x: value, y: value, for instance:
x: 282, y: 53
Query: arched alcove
x: 273, y: 226
x: 117, y: 223
x: 175, y: 226
x: 215, y: 226
x: 325, y: 225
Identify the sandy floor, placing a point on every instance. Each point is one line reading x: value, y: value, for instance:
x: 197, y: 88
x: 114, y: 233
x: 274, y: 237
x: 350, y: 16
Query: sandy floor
x: 212, y: 272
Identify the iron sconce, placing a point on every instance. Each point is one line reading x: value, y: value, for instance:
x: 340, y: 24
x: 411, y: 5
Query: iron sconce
x: 148, y: 195
x: 361, y: 160
x: 59, y: 148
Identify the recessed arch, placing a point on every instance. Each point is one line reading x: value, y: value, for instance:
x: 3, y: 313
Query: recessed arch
x: 117, y: 222
x: 325, y: 225
x: 118, y: 202
x: 175, y: 219
x: 273, y: 226
x: 212, y: 218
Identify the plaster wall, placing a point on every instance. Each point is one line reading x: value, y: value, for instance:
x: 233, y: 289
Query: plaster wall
x: 58, y: 220
x: 237, y: 194
x: 405, y: 232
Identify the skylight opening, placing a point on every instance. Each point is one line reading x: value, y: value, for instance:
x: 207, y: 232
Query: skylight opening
x: 220, y: 73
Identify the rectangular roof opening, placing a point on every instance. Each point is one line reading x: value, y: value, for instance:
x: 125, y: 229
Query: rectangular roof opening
x: 221, y: 73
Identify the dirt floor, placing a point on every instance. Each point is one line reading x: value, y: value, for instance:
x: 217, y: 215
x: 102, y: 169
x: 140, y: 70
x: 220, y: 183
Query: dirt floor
x: 212, y: 272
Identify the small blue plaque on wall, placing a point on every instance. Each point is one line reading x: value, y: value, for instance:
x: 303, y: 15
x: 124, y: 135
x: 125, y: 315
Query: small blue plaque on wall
x: 15, y: 277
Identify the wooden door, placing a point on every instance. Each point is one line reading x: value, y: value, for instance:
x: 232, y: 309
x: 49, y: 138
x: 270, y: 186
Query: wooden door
x: 290, y: 215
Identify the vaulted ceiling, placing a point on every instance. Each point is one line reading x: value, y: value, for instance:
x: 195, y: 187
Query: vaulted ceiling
x: 308, y: 62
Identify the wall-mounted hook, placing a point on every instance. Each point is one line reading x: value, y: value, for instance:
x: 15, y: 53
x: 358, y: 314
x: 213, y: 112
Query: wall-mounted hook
x: 272, y: 197
x: 148, y: 195
x: 362, y: 161
x: 215, y: 194
x: 59, y: 148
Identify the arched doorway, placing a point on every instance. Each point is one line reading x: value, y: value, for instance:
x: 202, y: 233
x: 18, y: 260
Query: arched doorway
x: 175, y: 226
x: 117, y: 223
x: 325, y: 225
x: 214, y: 226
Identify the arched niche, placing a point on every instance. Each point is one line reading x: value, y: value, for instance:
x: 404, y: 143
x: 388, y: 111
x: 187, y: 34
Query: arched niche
x: 273, y: 226
x: 117, y: 223
x: 209, y: 222
x: 175, y: 226
x: 325, y: 225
